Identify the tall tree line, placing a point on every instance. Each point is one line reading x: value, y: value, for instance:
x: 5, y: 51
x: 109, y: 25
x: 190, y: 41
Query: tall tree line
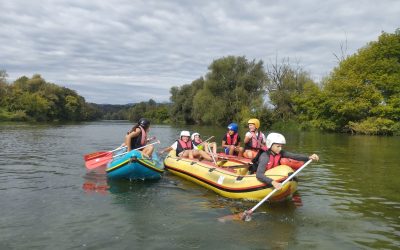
x: 34, y: 99
x: 361, y: 94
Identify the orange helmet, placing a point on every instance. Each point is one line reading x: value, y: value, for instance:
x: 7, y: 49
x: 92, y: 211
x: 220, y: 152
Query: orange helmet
x: 254, y: 121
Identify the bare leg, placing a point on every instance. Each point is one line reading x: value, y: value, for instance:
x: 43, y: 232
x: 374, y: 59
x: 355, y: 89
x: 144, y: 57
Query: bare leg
x: 214, y: 148
x: 191, y: 154
x: 240, y: 151
x: 184, y: 154
x: 148, y: 151
x: 231, y: 150
x: 206, y: 147
x: 205, y: 156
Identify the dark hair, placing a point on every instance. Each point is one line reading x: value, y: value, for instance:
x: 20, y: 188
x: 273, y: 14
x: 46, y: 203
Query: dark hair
x: 133, y: 129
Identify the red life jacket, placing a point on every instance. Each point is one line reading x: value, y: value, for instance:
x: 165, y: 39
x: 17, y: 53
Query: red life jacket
x: 183, y: 146
x: 229, y: 140
x: 274, y: 160
x: 256, y: 141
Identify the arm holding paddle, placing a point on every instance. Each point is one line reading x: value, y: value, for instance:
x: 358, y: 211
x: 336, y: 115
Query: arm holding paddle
x: 246, y: 215
x: 264, y: 161
x: 209, y: 147
x: 271, y: 157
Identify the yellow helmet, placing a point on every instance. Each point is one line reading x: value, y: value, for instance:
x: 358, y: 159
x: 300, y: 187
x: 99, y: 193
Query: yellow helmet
x: 254, y: 121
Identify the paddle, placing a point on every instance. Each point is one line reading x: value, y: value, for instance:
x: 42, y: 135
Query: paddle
x: 100, y: 153
x: 100, y: 161
x: 246, y: 216
x: 233, y: 158
x: 212, y: 155
x: 209, y: 138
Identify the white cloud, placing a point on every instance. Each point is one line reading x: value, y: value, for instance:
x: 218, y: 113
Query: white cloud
x: 128, y: 51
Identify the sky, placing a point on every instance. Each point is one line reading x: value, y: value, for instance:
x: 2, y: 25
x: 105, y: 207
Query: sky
x: 128, y: 51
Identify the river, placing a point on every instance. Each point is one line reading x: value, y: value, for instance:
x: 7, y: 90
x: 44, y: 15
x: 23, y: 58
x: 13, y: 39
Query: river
x: 348, y: 200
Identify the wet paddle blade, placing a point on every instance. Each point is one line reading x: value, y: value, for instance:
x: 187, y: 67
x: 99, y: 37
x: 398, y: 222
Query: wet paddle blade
x: 99, y: 161
x: 244, y: 216
x: 231, y: 217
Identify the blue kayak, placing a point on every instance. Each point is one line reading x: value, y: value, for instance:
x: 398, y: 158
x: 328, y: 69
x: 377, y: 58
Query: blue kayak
x: 133, y: 166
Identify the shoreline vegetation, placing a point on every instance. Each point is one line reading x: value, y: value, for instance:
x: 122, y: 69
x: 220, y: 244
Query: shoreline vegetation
x: 361, y: 95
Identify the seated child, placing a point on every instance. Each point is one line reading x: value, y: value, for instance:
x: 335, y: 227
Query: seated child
x: 254, y: 139
x: 185, y: 148
x: 231, y: 141
x: 206, y: 146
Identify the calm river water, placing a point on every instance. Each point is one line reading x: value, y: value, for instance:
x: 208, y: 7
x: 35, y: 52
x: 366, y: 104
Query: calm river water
x: 348, y: 200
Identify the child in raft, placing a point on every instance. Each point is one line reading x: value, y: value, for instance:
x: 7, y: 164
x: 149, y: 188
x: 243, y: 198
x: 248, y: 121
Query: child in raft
x: 184, y: 148
x: 254, y: 139
x: 271, y: 158
x: 205, y: 146
x: 231, y: 141
x: 137, y: 137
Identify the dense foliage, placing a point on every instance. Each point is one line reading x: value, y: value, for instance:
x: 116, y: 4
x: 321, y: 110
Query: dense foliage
x: 156, y: 112
x: 232, y: 90
x: 34, y: 99
x: 361, y: 95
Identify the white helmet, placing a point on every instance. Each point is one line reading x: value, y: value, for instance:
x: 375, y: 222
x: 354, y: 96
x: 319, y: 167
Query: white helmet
x: 185, y: 133
x: 194, y: 134
x: 275, y: 138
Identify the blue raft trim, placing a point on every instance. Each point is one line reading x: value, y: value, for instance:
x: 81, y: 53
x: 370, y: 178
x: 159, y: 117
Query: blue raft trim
x: 145, y: 163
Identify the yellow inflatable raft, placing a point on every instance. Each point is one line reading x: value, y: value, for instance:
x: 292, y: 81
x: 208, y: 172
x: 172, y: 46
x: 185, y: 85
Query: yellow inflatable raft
x: 230, y: 178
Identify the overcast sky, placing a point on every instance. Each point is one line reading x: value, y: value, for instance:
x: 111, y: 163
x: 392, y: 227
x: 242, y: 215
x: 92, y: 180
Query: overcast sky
x: 122, y: 52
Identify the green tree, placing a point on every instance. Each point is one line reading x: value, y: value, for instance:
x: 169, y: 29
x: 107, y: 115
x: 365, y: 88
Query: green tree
x: 286, y: 82
x: 182, y: 102
x: 361, y: 95
x: 233, y: 90
x: 35, y: 99
x: 365, y: 86
x: 3, y: 87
